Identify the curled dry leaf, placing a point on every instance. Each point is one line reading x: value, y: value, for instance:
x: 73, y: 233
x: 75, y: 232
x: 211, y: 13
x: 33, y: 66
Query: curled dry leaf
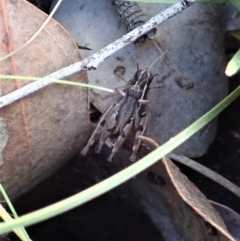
x: 41, y: 131
x: 188, y: 191
x: 195, y: 166
x: 195, y: 199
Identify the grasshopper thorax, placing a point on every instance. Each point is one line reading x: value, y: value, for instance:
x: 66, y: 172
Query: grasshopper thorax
x: 135, y: 91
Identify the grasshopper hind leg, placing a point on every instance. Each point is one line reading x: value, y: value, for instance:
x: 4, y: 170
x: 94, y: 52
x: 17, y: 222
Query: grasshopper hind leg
x: 137, y: 142
x: 98, y: 130
x: 121, y: 139
x: 107, y: 131
x: 94, y: 137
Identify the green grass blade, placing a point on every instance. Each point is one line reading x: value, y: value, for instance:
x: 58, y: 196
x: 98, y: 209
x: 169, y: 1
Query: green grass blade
x: 20, y: 232
x: 120, y: 177
x: 64, y: 82
x: 236, y: 3
x: 233, y: 65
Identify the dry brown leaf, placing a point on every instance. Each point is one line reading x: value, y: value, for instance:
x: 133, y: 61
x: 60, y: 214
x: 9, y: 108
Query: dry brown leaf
x: 194, y: 198
x: 41, y: 131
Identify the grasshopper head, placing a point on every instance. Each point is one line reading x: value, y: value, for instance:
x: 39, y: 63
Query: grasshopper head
x: 143, y: 76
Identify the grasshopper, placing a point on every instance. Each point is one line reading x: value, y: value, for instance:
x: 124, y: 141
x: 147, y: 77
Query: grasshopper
x: 123, y: 117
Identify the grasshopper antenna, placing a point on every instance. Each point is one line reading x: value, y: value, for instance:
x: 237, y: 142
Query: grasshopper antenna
x: 137, y: 66
x: 157, y: 60
x: 144, y: 57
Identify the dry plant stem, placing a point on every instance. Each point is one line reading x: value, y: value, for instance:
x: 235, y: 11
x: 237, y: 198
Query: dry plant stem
x: 93, y: 61
x: 198, y: 167
x: 6, y: 217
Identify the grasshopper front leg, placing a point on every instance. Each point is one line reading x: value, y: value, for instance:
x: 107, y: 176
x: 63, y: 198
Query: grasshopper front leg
x: 111, y: 126
x: 98, y: 130
x: 107, y: 130
x: 137, y: 142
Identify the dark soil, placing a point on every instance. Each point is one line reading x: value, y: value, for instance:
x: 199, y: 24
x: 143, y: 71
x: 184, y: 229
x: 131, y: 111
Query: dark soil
x: 44, y: 5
